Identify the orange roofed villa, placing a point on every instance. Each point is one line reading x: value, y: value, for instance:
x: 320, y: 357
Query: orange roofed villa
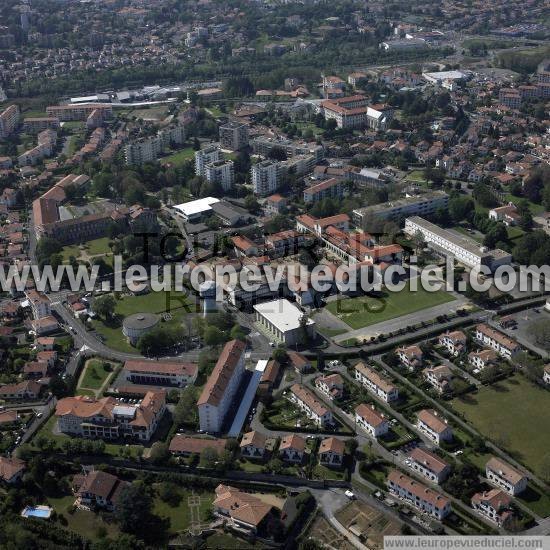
x: 107, y: 418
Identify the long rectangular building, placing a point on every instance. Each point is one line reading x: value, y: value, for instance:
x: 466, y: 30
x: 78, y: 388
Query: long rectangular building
x: 464, y: 250
x: 418, y: 495
x: 425, y: 204
x: 221, y: 387
x: 165, y: 373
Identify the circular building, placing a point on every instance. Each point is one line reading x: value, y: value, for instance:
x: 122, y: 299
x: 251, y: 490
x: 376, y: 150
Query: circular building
x: 136, y: 325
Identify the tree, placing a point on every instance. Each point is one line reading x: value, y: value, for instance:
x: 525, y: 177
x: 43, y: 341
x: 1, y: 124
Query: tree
x: 460, y: 207
x: 170, y: 493
x: 213, y: 336
x: 541, y: 331
x: 104, y: 306
x: 209, y: 457
x: 159, y: 453
x: 134, y: 507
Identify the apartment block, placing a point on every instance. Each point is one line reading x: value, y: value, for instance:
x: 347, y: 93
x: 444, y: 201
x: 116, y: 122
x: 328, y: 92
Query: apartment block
x: 433, y: 425
x: 465, y: 250
x: 418, y: 495
x: 209, y: 154
x: 370, y: 420
x: 376, y: 383
x: 307, y: 402
x: 429, y: 465
x: 9, y: 119
x: 221, y: 387
x: 265, y: 177
x: 234, y: 136
x: 221, y: 172
x: 499, y: 342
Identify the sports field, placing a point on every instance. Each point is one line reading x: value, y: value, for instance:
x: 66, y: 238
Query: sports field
x: 514, y: 414
x: 364, y: 311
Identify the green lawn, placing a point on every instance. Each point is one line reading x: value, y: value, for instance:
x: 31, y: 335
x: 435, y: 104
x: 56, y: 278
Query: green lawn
x: 513, y: 414
x: 180, y: 515
x: 179, y: 158
x: 310, y: 126
x: 87, y: 524
x: 172, y: 302
x: 95, y: 374
x: 96, y: 247
x: 364, y: 311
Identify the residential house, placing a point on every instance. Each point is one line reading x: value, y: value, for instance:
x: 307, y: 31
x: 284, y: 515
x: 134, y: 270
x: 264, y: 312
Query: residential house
x: 375, y: 383
x: 307, y: 402
x: 410, y: 356
x: 505, y: 477
x: 242, y: 510
x: 11, y: 469
x: 546, y: 374
x: 331, y: 452
x: 429, y: 465
x: 483, y: 358
x: 373, y: 422
x: 332, y: 385
x: 292, y: 448
x: 25, y: 390
x: 454, y: 342
x: 493, y: 505
x: 269, y: 377
x: 502, y: 344
x: 298, y: 362
x: 98, y: 489
x: 433, y: 425
x: 440, y: 378
x: 507, y: 214
x: 253, y: 444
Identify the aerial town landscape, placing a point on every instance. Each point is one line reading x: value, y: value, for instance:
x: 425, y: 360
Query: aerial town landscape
x: 274, y: 273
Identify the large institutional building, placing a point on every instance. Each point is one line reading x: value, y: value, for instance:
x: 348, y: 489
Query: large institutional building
x: 107, y: 418
x: 464, y: 250
x: 221, y: 387
x: 282, y: 320
x: 164, y: 373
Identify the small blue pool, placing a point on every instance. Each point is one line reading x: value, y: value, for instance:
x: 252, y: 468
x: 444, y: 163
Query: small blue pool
x: 37, y: 512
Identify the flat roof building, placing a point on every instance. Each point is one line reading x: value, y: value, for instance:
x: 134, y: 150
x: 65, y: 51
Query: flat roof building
x: 283, y: 321
x: 193, y: 210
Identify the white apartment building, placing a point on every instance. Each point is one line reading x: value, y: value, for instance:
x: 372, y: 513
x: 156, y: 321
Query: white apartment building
x: 265, y: 177
x: 307, y: 402
x: 332, y: 385
x: 433, y: 425
x: 46, y: 144
x: 502, y: 475
x: 546, y: 374
x: 429, y: 465
x: 426, y: 204
x: 375, y: 383
x: 205, y: 156
x: 221, y: 172
x: 504, y: 346
x: 373, y: 422
x: 483, y: 358
x: 9, y: 119
x: 221, y: 387
x: 463, y: 249
x: 234, y: 136
x: 143, y: 150
x: 418, y: 495
x: 162, y: 373
x: 39, y: 303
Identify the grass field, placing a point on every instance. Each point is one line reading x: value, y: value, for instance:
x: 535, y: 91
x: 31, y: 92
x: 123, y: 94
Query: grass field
x: 183, y: 514
x: 97, y: 247
x: 517, y: 428
x: 179, y: 158
x: 154, y: 302
x: 95, y: 374
x: 85, y: 523
x: 364, y: 311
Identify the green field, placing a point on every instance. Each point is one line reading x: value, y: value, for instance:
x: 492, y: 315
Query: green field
x: 180, y: 516
x: 519, y: 429
x: 172, y: 302
x: 87, y: 524
x: 97, y: 247
x: 364, y: 311
x: 179, y: 158
x: 95, y: 374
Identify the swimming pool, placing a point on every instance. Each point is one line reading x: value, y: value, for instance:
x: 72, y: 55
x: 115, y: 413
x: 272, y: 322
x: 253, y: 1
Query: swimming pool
x: 37, y: 512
